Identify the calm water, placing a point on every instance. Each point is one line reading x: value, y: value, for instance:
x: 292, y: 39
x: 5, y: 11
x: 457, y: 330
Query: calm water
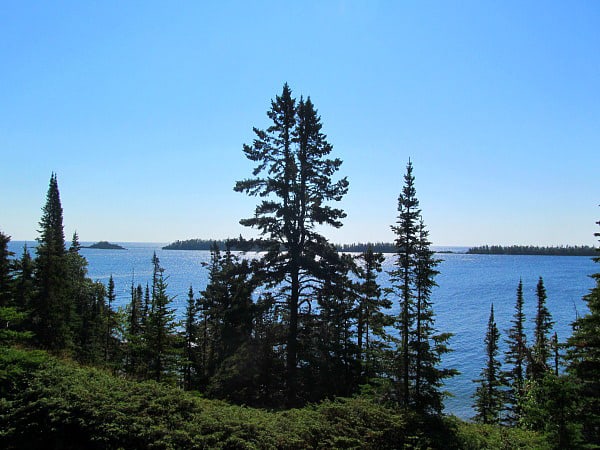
x: 468, y: 284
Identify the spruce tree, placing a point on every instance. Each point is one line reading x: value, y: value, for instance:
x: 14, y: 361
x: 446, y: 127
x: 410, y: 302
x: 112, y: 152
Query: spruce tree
x: 516, y: 357
x: 403, y: 278
x: 371, y: 317
x: 583, y: 357
x: 6, y: 297
x: 293, y: 177
x: 418, y: 377
x: 52, y: 311
x: 427, y: 345
x: 110, y: 344
x: 161, y: 340
x: 191, y: 341
x: 11, y: 316
x: 541, y: 350
x: 135, y: 334
x: 23, y: 281
x: 88, y: 322
x: 489, y: 395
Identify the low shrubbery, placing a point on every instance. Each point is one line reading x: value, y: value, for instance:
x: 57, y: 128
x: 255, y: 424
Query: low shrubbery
x: 49, y: 403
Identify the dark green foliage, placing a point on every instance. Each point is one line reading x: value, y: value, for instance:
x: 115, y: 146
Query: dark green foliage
x: 50, y: 404
x: 133, y: 333
x: 11, y: 316
x: 516, y: 356
x: 293, y: 178
x: 191, y: 354
x: 5, y: 272
x: 417, y: 376
x: 88, y: 323
x: 583, y: 358
x: 402, y: 278
x: 52, y: 310
x: 160, y: 339
x: 489, y: 396
x: 23, y: 283
x: 542, y: 347
x: 551, y: 407
x: 372, y: 338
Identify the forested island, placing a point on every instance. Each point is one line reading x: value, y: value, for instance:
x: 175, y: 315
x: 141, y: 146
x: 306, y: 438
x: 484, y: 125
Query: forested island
x: 205, y: 244
x: 577, y: 250
x: 295, y: 348
x: 240, y: 244
x: 104, y: 245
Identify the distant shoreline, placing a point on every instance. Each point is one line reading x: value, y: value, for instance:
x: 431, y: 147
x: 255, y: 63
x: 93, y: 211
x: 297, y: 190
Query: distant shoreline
x: 388, y: 247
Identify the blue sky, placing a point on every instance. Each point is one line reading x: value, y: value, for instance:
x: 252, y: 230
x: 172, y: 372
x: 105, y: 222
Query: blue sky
x: 142, y: 108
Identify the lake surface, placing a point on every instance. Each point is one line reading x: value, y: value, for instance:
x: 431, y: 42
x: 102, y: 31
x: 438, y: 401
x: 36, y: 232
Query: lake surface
x: 468, y: 284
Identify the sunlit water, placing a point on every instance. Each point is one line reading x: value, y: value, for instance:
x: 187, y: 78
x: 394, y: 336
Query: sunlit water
x: 468, y: 284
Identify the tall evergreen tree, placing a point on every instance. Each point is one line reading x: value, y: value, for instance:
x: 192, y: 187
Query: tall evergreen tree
x: 52, y: 309
x: 135, y: 353
x: 427, y: 345
x: 542, y: 347
x: 403, y: 278
x: 419, y: 378
x: 583, y: 358
x: 110, y: 344
x: 191, y: 341
x: 293, y: 176
x: 11, y: 316
x: 516, y: 357
x: 6, y: 295
x: 23, y: 281
x: 88, y: 322
x: 162, y: 346
x: 371, y: 318
x: 489, y: 395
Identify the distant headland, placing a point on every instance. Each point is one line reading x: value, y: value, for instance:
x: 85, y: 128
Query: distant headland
x: 104, y: 245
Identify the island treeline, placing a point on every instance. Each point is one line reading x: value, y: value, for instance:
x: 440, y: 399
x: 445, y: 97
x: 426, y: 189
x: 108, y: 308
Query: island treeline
x: 204, y: 244
x: 243, y: 245
x: 295, y: 325
x: 576, y: 250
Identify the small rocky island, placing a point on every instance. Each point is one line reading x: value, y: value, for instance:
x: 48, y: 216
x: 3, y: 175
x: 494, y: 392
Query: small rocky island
x: 104, y: 245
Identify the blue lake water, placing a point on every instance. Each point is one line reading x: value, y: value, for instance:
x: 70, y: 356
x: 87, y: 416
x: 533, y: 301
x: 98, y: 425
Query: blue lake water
x: 468, y: 284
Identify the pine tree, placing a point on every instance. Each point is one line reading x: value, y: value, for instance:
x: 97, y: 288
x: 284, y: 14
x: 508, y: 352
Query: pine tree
x: 52, y: 309
x: 293, y: 176
x: 583, y: 358
x: 516, y: 356
x: 489, y: 396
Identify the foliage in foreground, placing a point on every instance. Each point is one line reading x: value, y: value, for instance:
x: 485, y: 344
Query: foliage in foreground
x: 49, y: 403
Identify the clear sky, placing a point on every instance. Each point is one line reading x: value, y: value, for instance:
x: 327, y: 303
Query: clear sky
x: 141, y: 108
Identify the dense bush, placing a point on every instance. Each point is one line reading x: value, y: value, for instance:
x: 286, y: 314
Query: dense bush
x: 48, y: 403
